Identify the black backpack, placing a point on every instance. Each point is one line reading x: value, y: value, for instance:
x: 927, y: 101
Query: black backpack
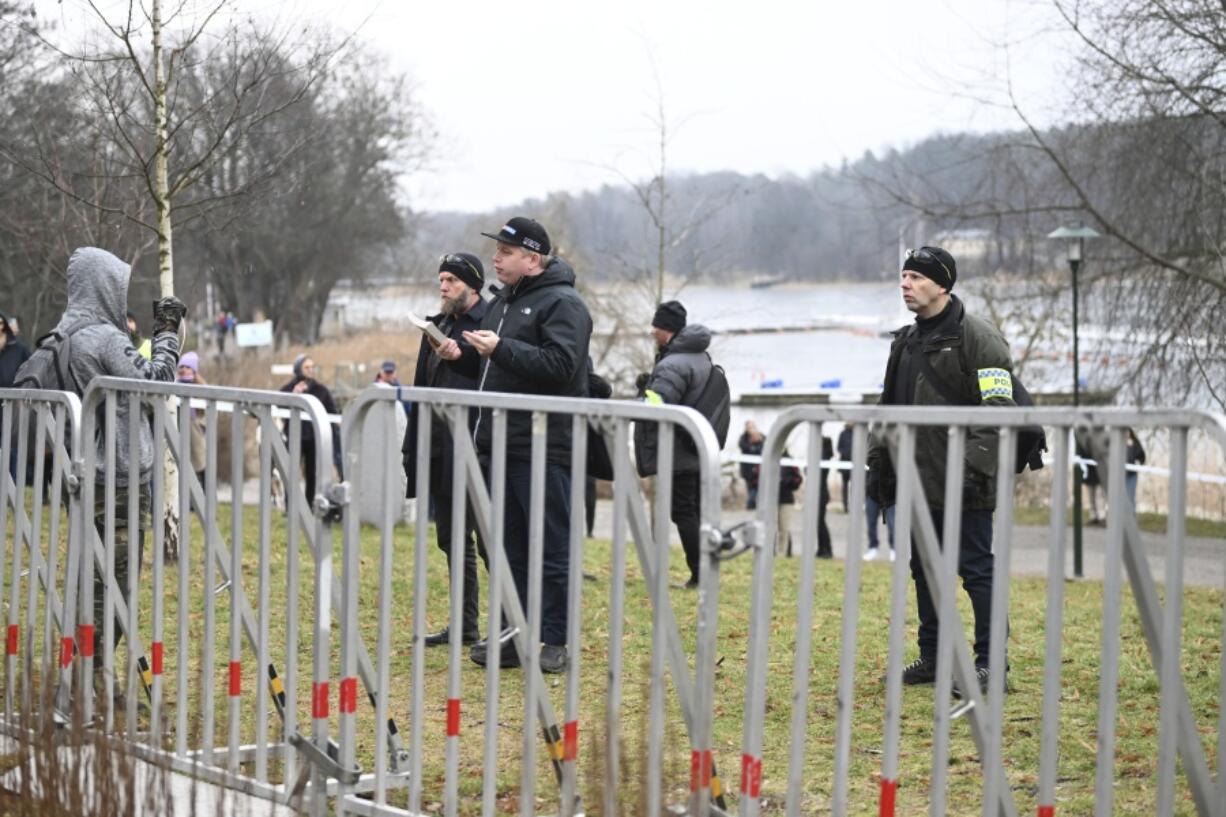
x: 1031, y: 440
x: 47, y: 367
x: 714, y: 403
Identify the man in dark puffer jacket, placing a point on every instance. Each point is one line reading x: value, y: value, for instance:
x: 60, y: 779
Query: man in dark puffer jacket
x: 533, y: 340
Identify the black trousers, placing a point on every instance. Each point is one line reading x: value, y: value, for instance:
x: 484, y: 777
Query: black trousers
x: 555, y: 571
x: 684, y: 512
x: 975, y: 566
x: 824, y: 548
x: 440, y: 492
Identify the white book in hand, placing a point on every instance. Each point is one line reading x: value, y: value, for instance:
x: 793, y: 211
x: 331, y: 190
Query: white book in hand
x: 434, y: 334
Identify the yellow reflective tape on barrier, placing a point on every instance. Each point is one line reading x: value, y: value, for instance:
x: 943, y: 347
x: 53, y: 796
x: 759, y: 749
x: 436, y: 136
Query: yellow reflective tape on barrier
x: 652, y: 398
x: 995, y: 383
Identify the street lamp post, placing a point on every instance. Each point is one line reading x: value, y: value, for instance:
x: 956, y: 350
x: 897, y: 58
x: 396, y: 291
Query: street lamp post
x: 1076, y: 237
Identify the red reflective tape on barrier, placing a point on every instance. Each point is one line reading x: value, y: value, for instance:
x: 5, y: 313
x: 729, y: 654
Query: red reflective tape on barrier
x: 12, y: 639
x: 349, y: 696
x: 236, y: 679
x: 453, y: 717
x: 700, y: 769
x: 65, y: 651
x: 319, y: 700
x: 85, y: 637
x: 570, y: 740
x: 751, y: 776
x: 1047, y: 811
x: 156, y: 654
x: 889, y: 788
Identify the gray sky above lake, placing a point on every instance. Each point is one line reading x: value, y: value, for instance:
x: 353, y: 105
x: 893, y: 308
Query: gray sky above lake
x: 535, y: 96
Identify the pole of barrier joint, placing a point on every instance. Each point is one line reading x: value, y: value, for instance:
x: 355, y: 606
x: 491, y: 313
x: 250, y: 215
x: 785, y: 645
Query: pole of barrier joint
x: 851, y: 613
x: 530, y: 657
x: 72, y: 566
x: 87, y: 530
x: 108, y: 568
x: 456, y: 557
x: 710, y: 544
x: 207, y: 657
x: 236, y: 584
x: 898, y: 610
x: 621, y: 490
x: 1002, y: 546
x: 1049, y: 745
x: 495, y: 546
x: 6, y: 421
x: 761, y: 597
x: 135, y: 487
x: 322, y: 647
x: 262, y: 647
x: 351, y: 587
x: 290, y: 474
x: 53, y: 549
x: 159, y: 578
x: 1104, y: 791
x: 659, y: 590
x: 1172, y: 624
x: 804, y: 616
x: 387, y: 523
x: 19, y: 495
x: 947, y: 617
x: 420, y: 543
x: 34, y: 541
x: 574, y: 595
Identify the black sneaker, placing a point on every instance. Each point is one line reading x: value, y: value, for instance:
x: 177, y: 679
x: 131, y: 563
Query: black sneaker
x: 982, y: 676
x: 507, y: 658
x: 553, y: 658
x: 443, y: 637
x: 920, y: 671
x: 692, y: 584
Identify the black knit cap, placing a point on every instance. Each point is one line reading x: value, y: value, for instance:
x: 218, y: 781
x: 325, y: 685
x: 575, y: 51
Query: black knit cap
x: 934, y: 263
x: 670, y: 316
x: 523, y: 232
x: 465, y: 266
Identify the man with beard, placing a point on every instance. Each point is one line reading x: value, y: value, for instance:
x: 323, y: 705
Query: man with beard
x: 460, y: 279
x: 534, y: 340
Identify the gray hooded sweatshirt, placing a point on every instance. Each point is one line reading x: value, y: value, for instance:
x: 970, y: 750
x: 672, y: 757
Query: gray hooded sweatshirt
x: 98, y: 298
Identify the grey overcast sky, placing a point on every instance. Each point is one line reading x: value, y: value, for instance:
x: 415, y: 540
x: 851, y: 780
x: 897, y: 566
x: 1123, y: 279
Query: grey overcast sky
x: 545, y: 95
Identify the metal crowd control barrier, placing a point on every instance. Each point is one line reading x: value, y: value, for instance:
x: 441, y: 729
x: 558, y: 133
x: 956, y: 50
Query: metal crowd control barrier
x: 40, y: 429
x: 166, y: 671
x: 1104, y: 432
x: 694, y: 690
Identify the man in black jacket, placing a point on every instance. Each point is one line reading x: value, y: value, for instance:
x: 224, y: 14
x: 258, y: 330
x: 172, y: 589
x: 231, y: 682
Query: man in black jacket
x: 461, y: 279
x: 533, y: 340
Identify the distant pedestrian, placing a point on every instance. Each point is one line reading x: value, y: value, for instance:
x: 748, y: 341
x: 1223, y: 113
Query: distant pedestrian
x: 12, y: 353
x: 843, y: 448
x: 304, y: 382
x: 1135, y: 455
x: 189, y: 372
x: 386, y: 376
x: 873, y: 514
x: 790, y: 480
x: 222, y: 327
x: 824, y: 548
x: 750, y: 444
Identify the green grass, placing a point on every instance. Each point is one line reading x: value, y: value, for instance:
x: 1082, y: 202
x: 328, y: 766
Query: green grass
x: 1149, y: 522
x: 1137, y: 715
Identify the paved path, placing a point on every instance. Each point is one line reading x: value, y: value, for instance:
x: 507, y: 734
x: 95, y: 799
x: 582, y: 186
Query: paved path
x: 1204, y: 559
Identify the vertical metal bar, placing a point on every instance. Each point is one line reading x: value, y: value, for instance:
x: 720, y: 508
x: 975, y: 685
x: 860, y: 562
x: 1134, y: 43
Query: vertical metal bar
x: 455, y: 558
x: 156, y: 500
x: 1104, y: 792
x: 236, y: 584
x: 709, y: 541
x: 1172, y: 622
x: 420, y: 542
x: 350, y: 588
x: 1049, y: 742
x: 495, y: 546
x: 570, y: 728
x: 6, y: 423
x: 267, y: 430
x: 211, y: 522
x: 659, y: 602
x: 34, y: 541
x: 19, y: 513
x: 322, y: 643
x: 108, y: 569
x: 851, y: 615
x: 948, y: 624
x: 293, y: 490
x: 617, y: 596
x: 87, y: 530
x: 530, y: 658
x: 53, y: 546
x: 804, y: 617
x: 1002, y: 545
x: 71, y: 451
x: 898, y: 612
x: 388, y: 471
x: 133, y: 555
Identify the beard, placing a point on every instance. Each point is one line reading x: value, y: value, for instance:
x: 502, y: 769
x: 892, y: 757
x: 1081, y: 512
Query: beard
x: 457, y: 306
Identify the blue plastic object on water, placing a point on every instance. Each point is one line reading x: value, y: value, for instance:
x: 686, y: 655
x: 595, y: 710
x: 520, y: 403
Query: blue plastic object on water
x: 777, y: 383
x: 836, y: 383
